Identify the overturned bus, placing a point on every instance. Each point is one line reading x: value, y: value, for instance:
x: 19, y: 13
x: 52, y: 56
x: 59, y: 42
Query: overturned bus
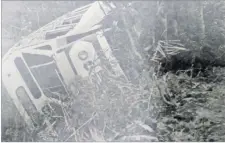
x: 37, y: 70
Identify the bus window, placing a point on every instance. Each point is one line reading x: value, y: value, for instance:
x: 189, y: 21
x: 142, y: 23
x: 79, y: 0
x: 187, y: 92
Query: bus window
x: 27, y: 78
x: 45, y: 71
x: 56, y: 33
x: 27, y: 104
x: 46, y: 47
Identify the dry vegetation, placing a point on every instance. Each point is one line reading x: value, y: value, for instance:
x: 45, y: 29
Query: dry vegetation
x: 156, y: 106
x: 167, y: 108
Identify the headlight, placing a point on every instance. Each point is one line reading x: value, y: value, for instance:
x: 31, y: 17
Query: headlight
x: 83, y: 55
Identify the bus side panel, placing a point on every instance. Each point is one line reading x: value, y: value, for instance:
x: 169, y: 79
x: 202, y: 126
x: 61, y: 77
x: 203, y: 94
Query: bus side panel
x: 109, y: 55
x: 64, y: 67
x: 12, y: 81
x: 83, y: 63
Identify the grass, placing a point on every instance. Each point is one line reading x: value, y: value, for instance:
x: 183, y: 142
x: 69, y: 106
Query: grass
x: 154, y: 108
x: 198, y: 111
x: 110, y: 110
x: 104, y: 107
